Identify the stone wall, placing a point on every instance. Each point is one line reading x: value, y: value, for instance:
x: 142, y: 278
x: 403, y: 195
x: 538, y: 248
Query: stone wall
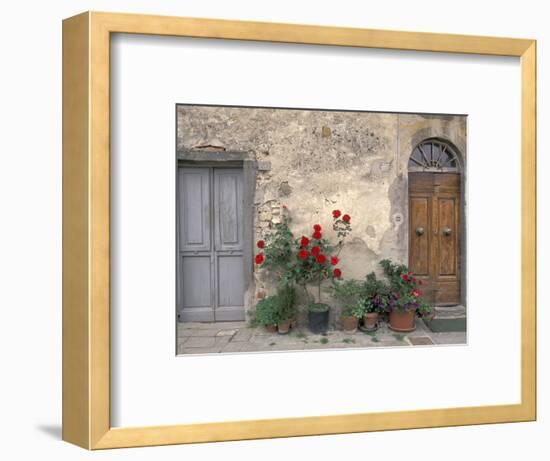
x: 316, y: 161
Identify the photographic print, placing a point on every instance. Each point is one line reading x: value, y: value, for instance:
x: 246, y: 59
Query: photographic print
x: 306, y: 229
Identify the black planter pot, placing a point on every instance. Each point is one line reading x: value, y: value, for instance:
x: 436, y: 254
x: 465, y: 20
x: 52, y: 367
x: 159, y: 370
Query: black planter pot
x: 318, y: 321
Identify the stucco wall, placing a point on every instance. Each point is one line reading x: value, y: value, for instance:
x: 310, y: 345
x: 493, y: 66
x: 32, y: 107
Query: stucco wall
x: 321, y: 160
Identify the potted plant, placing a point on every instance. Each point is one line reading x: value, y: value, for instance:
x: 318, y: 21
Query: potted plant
x: 405, y: 300
x: 315, y: 262
x: 305, y: 261
x: 351, y: 316
x: 347, y: 292
x: 374, y: 301
x: 267, y: 313
x: 286, y: 297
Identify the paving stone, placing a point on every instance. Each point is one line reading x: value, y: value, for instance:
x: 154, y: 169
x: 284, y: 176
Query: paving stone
x: 199, y: 338
x: 244, y: 334
x: 200, y: 341
x: 455, y: 337
x: 197, y: 325
x: 226, y: 333
x: 420, y: 340
x: 198, y: 332
x: 222, y: 341
x: 263, y: 339
x: 201, y: 350
x: 253, y: 347
x: 233, y: 347
x: 231, y: 325
x: 261, y: 332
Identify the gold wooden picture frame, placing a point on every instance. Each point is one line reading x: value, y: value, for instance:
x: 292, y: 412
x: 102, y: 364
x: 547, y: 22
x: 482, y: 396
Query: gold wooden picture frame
x: 86, y: 229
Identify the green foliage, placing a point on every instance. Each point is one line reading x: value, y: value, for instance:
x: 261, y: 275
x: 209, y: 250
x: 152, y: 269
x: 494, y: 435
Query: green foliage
x: 276, y: 308
x: 279, y: 249
x: 360, y: 297
x: 286, y: 297
x: 376, y: 294
x: 347, y: 292
x: 267, y: 311
x: 405, y: 293
x: 318, y: 307
x: 304, y: 260
x: 323, y: 340
x: 357, y: 310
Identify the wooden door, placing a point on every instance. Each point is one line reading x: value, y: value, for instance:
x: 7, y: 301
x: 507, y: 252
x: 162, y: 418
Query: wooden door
x: 434, y: 234
x: 210, y: 244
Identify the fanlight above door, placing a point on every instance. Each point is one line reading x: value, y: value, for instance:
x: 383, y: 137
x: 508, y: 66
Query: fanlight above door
x: 434, y: 156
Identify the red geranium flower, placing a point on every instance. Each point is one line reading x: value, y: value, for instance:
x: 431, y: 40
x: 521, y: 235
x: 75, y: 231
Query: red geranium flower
x: 317, y: 228
x: 260, y: 243
x: 259, y: 258
x: 337, y: 273
x: 315, y: 250
x: 413, y: 280
x: 321, y: 259
x: 317, y: 235
x: 346, y: 218
x: 304, y: 242
x: 334, y: 260
x: 336, y: 214
x: 405, y: 277
x: 303, y: 254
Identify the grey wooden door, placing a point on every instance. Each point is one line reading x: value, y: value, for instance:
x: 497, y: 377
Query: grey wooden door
x: 210, y: 244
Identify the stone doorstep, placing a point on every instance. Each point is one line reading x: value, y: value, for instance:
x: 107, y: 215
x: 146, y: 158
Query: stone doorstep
x: 447, y: 319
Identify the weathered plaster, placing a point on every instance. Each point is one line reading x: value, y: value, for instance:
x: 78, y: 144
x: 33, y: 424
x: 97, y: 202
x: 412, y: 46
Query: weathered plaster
x: 316, y: 161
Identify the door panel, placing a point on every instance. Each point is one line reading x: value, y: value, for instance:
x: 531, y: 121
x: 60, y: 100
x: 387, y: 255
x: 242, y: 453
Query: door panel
x: 228, y: 209
x: 447, y: 235
x: 194, y: 209
x: 434, y: 256
x: 419, y: 237
x: 210, y: 262
x: 196, y: 288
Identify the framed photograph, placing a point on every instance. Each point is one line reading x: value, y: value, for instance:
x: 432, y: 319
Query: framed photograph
x: 276, y: 230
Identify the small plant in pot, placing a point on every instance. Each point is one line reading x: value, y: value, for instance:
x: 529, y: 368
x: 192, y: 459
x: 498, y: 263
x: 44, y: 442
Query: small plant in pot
x: 267, y: 313
x: 405, y: 300
x: 347, y: 292
x: 351, y: 316
x: 374, y: 301
x: 286, y: 296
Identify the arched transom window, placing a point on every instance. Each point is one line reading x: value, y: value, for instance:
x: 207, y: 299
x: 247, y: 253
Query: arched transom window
x: 433, y: 155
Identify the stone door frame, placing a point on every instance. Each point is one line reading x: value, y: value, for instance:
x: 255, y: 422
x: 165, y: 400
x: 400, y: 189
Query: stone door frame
x: 225, y: 159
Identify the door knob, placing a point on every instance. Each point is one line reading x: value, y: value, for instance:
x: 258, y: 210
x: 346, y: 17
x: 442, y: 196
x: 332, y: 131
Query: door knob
x: 447, y: 231
x: 419, y: 231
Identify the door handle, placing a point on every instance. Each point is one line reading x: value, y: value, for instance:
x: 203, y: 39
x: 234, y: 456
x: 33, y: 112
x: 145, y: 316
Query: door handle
x: 419, y: 231
x: 447, y: 231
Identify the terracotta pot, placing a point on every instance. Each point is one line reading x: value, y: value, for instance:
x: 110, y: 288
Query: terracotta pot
x: 271, y: 328
x: 349, y: 324
x: 284, y: 327
x: 402, y: 321
x: 370, y: 320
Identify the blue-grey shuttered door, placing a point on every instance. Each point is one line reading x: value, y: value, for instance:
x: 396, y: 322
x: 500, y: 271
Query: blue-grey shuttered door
x: 210, y: 272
